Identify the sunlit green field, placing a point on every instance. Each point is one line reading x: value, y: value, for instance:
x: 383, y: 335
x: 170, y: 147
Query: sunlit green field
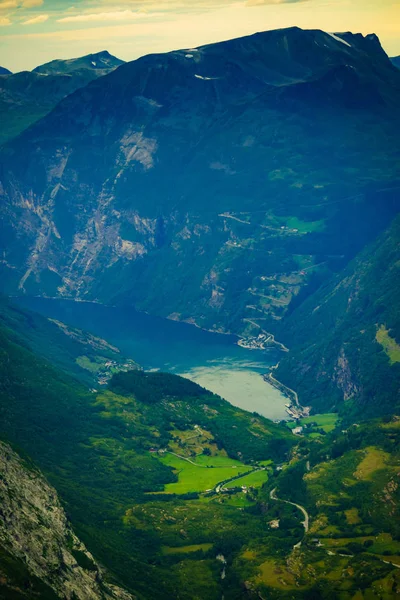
x: 255, y: 479
x: 327, y: 421
x: 185, y: 549
x: 304, y: 226
x: 205, y: 476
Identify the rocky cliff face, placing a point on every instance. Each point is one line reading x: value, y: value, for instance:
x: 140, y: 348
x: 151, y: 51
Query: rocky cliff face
x: 235, y: 172
x: 35, y: 531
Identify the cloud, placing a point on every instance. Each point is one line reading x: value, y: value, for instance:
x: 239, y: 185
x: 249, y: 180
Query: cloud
x: 31, y: 3
x: 36, y: 20
x: 4, y: 21
x: 264, y: 2
x: 7, y: 4
x: 120, y: 15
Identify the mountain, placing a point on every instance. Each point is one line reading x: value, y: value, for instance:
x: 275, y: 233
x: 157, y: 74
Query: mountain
x: 101, y: 62
x: 4, y: 71
x: 345, y: 339
x: 396, y: 61
x: 27, y: 96
x: 208, y: 184
x: 37, y: 545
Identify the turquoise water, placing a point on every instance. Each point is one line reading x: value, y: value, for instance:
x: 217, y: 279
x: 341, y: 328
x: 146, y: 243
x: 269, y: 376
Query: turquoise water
x: 214, y: 361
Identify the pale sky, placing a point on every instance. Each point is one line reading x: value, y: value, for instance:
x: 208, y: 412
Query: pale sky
x: 35, y: 31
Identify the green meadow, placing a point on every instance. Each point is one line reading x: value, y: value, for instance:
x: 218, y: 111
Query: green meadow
x: 255, y: 479
x: 327, y: 421
x: 202, y: 476
x: 185, y: 549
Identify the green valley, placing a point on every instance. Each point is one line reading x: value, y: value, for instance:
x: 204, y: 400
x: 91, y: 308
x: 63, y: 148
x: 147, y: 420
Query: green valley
x: 103, y: 454
x: 160, y: 479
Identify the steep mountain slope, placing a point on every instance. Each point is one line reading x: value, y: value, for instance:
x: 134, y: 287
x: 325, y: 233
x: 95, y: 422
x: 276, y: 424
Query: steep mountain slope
x: 345, y: 339
x: 27, y: 96
x: 38, y: 548
x: 208, y: 184
x: 4, y: 71
x: 396, y: 61
x: 81, y: 354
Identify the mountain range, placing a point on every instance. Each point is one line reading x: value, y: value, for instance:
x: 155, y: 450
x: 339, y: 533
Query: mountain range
x: 219, y: 185
x: 27, y: 96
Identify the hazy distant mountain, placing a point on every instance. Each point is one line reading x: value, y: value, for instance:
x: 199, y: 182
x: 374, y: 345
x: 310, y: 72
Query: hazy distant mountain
x: 101, y: 61
x: 27, y: 96
x: 211, y: 184
x: 4, y: 71
x: 396, y: 61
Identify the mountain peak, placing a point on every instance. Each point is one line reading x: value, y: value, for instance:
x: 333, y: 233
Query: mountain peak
x: 100, y: 60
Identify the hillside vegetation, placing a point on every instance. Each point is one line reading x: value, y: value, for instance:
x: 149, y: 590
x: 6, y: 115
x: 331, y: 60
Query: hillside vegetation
x: 344, y: 340
x: 87, y: 357
x: 349, y: 484
x: 106, y: 454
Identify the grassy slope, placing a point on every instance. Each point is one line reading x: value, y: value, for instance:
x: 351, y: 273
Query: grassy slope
x: 335, y: 356
x: 390, y: 346
x: 352, y: 495
x: 77, y: 352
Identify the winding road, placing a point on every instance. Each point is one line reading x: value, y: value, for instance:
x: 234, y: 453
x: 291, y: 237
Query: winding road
x: 306, y: 521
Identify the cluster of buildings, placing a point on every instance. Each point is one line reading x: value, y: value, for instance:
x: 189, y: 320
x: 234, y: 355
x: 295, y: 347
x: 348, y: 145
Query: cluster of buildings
x: 256, y: 343
x: 112, y: 366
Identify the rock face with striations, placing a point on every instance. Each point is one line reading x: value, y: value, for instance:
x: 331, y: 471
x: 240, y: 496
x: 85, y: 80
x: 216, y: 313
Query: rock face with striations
x: 235, y: 172
x: 35, y: 531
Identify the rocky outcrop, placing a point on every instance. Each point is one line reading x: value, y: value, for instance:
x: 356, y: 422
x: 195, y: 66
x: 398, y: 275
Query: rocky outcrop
x: 344, y: 377
x: 34, y: 529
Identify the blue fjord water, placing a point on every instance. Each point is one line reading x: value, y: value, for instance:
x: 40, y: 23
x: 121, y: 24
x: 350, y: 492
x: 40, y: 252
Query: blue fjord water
x: 214, y: 361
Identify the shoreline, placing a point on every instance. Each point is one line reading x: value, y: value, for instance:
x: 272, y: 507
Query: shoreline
x: 294, y: 409
x: 249, y: 343
x: 265, y: 341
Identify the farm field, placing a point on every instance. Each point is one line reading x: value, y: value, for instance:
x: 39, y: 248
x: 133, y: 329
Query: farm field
x: 256, y: 479
x: 201, y: 477
x: 326, y: 421
x: 185, y: 549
